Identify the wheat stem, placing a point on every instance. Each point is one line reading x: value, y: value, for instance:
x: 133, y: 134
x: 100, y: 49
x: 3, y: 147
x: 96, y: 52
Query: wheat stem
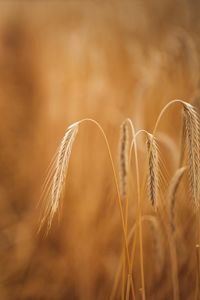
x: 139, y: 219
x: 118, y: 197
x: 198, y: 272
x: 148, y: 218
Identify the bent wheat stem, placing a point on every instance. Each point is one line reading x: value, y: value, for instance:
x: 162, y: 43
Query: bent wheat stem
x: 118, y: 195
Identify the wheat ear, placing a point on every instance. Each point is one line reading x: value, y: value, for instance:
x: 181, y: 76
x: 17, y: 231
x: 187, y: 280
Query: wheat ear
x: 59, y: 174
x: 123, y: 158
x: 153, y: 169
x: 192, y: 144
x: 191, y: 137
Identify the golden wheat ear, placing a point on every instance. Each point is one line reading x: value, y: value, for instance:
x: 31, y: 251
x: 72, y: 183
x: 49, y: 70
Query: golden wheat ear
x: 123, y: 157
x: 153, y: 169
x: 192, y: 144
x: 58, y: 174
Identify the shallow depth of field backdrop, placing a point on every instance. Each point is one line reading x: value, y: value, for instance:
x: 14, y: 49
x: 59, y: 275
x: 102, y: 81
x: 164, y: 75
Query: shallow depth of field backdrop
x: 61, y: 61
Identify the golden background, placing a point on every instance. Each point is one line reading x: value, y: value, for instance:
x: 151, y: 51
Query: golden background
x: 61, y: 61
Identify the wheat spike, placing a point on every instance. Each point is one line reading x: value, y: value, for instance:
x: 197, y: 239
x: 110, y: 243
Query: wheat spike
x: 153, y: 169
x: 59, y: 174
x: 123, y: 158
x: 192, y: 142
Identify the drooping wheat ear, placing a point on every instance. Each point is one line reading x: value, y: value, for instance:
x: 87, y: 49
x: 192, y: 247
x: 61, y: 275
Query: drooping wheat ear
x: 153, y: 169
x: 172, y: 190
x: 123, y: 157
x: 59, y: 174
x: 192, y: 143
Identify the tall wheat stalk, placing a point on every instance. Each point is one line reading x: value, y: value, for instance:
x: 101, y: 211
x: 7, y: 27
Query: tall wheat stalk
x: 139, y: 214
x: 125, y: 151
x: 153, y: 183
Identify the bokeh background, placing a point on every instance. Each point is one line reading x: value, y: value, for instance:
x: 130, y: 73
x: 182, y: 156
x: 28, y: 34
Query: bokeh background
x: 61, y: 61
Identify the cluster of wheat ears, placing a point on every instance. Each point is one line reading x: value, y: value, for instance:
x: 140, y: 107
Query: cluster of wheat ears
x: 128, y: 153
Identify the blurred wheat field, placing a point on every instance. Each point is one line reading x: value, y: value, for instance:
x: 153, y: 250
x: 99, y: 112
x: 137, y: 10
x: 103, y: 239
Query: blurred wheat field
x: 63, y: 61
